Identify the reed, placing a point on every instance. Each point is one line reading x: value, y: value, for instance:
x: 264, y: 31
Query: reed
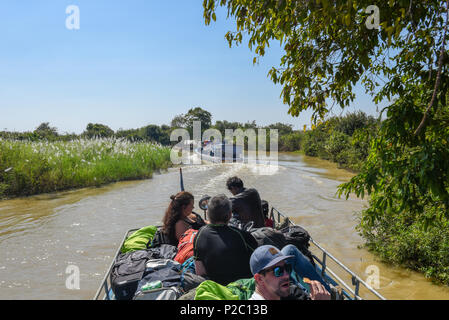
x: 28, y: 168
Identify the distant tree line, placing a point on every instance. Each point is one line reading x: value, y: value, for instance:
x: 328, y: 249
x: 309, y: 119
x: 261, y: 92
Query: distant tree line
x: 344, y: 140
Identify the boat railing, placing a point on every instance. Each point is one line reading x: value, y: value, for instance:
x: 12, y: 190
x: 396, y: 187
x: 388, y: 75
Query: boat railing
x: 106, y: 285
x: 354, y: 290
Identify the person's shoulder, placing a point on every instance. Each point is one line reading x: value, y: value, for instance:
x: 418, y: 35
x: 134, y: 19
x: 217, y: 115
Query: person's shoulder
x: 235, y: 228
x: 251, y: 191
x: 245, y: 233
x: 256, y: 296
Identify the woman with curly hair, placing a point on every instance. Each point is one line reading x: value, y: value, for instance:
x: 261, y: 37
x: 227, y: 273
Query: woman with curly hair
x: 179, y: 217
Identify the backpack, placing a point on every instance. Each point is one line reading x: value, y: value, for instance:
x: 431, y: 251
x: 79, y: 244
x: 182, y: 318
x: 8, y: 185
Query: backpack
x: 267, y: 235
x: 185, y: 246
x: 163, y: 251
x: 191, y: 281
x: 159, y: 238
x: 126, y: 273
x: 300, y: 238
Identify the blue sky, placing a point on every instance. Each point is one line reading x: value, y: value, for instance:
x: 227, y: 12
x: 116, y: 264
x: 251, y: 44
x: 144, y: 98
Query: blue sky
x: 130, y: 64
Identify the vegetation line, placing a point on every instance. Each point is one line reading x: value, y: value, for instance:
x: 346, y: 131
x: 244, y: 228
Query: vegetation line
x: 34, y: 167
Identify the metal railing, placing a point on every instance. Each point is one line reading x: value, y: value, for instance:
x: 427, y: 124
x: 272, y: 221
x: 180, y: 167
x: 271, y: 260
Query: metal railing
x: 282, y: 220
x: 106, y: 285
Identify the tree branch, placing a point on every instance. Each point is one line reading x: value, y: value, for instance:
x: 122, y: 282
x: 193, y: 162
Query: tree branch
x: 438, y: 80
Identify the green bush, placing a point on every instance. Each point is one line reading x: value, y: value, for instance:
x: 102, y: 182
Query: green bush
x: 400, y: 238
x: 291, y: 141
x: 336, y: 146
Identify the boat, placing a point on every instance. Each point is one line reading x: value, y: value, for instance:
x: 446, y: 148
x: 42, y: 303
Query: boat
x: 322, y: 257
x: 219, y: 152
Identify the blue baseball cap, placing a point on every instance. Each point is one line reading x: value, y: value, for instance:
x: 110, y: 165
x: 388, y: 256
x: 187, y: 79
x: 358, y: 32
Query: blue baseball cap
x: 264, y: 257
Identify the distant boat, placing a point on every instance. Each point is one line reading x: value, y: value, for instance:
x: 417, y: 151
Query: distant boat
x: 220, y: 152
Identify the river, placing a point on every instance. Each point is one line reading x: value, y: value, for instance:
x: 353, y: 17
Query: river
x: 41, y: 236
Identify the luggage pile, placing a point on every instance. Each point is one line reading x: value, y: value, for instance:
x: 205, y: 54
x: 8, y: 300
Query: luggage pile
x: 149, y: 268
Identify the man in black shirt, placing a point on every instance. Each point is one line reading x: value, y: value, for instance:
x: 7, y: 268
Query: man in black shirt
x: 222, y: 252
x: 246, y: 203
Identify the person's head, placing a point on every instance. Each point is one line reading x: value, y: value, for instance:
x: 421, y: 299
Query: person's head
x: 271, y: 272
x: 181, y: 206
x: 219, y: 209
x: 234, y: 185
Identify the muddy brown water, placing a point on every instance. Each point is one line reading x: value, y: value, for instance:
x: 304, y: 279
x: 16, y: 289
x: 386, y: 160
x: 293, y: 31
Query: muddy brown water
x: 41, y: 236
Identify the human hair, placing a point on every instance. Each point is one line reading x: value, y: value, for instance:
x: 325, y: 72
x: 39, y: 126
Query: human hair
x: 174, y: 212
x: 219, y: 208
x: 234, y: 182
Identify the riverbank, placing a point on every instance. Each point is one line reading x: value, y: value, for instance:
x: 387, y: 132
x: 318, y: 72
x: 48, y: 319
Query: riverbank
x: 400, y: 238
x: 29, y: 168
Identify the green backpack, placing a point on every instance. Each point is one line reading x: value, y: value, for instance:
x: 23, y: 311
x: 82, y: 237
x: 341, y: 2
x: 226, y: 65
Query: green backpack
x: 139, y: 239
x: 210, y: 290
x: 243, y: 288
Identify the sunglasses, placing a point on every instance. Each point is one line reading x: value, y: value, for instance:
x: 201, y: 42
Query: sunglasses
x: 279, y: 270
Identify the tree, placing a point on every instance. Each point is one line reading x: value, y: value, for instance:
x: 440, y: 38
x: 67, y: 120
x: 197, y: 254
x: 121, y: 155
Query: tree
x: 97, y: 130
x: 194, y: 114
x: 330, y: 46
x: 44, y: 127
x: 45, y: 131
x: 179, y: 121
x: 329, y: 49
x: 151, y: 132
x: 282, y: 128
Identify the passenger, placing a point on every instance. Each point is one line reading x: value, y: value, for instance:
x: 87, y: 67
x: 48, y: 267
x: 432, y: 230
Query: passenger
x: 222, y: 252
x: 271, y: 269
x: 246, y: 203
x: 179, y: 217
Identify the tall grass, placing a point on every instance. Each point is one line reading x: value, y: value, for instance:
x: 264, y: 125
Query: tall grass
x: 28, y: 168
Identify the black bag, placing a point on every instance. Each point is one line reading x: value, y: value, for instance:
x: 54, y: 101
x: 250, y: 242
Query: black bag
x: 300, y: 238
x: 159, y: 238
x: 267, y: 235
x: 190, y: 281
x: 126, y: 273
x: 163, y: 251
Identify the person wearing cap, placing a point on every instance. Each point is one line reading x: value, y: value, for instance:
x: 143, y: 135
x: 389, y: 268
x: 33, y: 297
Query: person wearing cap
x: 272, y: 275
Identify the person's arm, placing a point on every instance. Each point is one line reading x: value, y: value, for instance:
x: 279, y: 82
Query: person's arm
x: 199, y: 268
x: 180, y: 228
